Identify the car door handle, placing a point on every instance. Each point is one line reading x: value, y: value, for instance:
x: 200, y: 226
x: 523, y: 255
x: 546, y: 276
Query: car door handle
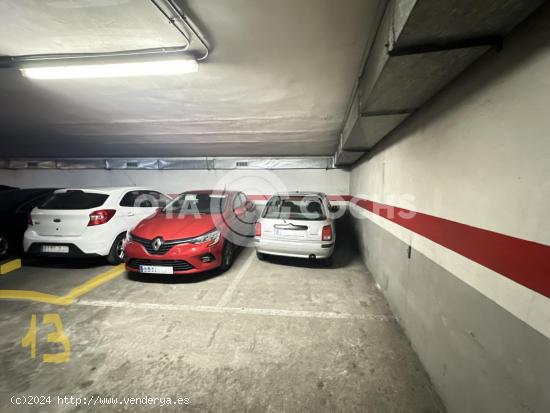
x: 131, y: 214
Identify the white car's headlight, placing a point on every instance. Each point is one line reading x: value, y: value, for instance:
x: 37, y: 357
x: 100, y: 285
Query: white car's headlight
x: 212, y: 237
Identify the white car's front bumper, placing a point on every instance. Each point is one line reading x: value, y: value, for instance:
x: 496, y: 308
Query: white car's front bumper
x: 299, y: 249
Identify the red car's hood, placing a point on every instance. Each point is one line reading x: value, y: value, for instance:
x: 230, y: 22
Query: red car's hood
x: 175, y: 227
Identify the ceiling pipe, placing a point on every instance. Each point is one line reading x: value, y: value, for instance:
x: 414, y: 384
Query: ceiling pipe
x: 173, y: 17
x: 182, y: 18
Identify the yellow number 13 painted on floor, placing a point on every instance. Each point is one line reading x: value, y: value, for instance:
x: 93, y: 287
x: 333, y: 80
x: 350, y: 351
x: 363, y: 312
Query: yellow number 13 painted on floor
x: 56, y: 337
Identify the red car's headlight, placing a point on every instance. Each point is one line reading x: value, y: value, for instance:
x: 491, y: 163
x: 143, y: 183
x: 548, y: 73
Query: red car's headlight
x: 211, y: 237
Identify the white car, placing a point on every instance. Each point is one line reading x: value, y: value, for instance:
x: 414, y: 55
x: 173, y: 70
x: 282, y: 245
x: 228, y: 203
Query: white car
x: 89, y: 222
x: 296, y: 225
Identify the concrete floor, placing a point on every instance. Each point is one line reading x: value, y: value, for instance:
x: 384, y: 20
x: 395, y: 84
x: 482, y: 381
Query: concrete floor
x: 281, y: 336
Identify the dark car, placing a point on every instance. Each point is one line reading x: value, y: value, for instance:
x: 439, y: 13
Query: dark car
x: 7, y: 188
x: 15, y: 206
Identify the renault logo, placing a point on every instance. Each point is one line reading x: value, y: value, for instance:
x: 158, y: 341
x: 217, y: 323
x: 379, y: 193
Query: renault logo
x: 157, y: 243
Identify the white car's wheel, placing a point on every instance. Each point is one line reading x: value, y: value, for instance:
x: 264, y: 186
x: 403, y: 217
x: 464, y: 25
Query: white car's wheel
x: 328, y: 262
x: 116, y: 255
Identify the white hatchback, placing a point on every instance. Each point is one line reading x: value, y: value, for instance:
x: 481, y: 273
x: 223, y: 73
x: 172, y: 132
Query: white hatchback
x: 296, y: 225
x: 89, y: 222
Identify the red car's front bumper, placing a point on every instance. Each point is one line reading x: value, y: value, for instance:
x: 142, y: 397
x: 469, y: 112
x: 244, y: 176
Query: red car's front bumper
x: 191, y: 253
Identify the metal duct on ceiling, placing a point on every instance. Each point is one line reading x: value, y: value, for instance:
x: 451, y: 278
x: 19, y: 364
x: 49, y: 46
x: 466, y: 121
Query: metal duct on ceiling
x: 183, y: 164
x: 132, y: 164
x: 314, y: 162
x: 30, y: 164
x: 421, y: 46
x: 272, y: 163
x: 81, y: 164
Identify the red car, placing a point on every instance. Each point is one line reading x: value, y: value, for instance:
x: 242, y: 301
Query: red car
x: 198, y: 231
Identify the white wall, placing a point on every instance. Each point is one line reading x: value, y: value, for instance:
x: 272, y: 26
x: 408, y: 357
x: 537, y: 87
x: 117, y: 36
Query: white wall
x: 253, y: 182
x: 477, y: 154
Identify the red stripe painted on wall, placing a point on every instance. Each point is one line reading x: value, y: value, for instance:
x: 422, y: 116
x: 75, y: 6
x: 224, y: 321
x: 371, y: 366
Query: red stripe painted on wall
x: 258, y: 197
x: 525, y: 262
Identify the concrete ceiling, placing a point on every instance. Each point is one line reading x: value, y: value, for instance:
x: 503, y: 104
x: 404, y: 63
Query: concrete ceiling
x: 278, y: 80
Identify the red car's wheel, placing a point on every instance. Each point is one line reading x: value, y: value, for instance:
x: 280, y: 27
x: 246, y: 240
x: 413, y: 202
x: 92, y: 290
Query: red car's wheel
x: 228, y: 254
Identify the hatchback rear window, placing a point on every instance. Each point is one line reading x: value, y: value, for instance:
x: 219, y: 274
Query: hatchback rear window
x: 74, y: 200
x: 298, y: 208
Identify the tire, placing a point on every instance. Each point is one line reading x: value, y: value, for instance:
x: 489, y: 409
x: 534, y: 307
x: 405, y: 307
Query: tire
x: 228, y: 255
x: 116, y: 254
x: 4, y: 247
x: 328, y: 262
x: 260, y: 256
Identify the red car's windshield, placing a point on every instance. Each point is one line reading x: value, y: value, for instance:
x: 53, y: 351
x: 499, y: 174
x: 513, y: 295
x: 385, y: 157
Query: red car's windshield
x: 197, y: 203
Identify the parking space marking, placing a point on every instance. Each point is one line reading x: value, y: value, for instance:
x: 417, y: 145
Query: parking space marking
x: 231, y: 289
x: 95, y: 282
x: 68, y: 298
x: 234, y: 310
x: 33, y: 296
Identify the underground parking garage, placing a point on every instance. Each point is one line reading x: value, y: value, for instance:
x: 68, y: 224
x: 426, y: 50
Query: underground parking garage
x: 274, y: 205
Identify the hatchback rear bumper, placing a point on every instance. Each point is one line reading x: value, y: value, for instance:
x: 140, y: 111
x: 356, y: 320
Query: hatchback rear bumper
x: 94, y: 241
x: 35, y: 250
x: 298, y: 249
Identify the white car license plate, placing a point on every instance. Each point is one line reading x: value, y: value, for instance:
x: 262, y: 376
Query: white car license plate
x: 289, y: 233
x: 55, y: 249
x: 152, y: 269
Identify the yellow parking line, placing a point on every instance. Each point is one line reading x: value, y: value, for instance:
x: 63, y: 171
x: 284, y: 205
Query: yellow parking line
x: 33, y: 296
x: 68, y: 298
x: 95, y: 282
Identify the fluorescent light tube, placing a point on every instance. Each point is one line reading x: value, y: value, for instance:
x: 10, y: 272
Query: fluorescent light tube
x: 154, y: 68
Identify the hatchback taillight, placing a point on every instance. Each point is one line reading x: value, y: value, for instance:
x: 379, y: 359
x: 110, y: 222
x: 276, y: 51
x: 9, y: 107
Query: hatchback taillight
x: 258, y: 229
x: 327, y: 233
x: 101, y: 217
x: 29, y: 220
